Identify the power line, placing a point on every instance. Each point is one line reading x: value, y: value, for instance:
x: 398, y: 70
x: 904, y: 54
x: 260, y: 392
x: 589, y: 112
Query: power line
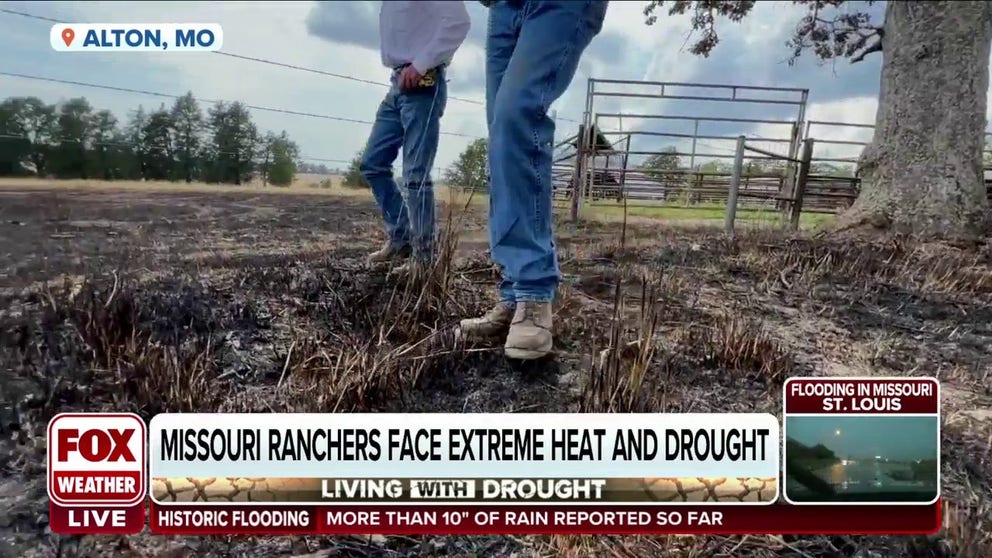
x: 326, y: 73
x: 212, y: 101
x: 282, y: 64
x: 32, y: 16
x: 263, y: 61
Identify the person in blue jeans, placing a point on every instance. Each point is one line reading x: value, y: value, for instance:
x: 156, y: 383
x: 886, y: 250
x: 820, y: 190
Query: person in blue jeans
x: 418, y: 40
x: 532, y: 52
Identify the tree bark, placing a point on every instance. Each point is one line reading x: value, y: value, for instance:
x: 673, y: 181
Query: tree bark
x: 922, y: 172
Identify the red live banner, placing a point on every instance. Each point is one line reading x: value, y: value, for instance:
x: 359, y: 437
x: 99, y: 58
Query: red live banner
x: 254, y: 519
x: 862, y: 396
x: 91, y: 520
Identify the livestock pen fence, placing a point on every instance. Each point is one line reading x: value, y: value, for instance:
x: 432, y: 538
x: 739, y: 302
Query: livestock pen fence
x: 691, y: 169
x: 716, y: 153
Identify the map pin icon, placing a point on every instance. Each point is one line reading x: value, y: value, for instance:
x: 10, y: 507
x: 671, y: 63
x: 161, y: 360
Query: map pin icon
x: 67, y: 36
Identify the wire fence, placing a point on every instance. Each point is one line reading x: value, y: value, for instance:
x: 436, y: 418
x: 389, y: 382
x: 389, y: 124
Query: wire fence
x: 675, y: 158
x: 791, y: 166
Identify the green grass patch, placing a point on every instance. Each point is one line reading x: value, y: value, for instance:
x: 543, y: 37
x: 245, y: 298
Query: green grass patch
x: 703, y: 212
x: 665, y: 212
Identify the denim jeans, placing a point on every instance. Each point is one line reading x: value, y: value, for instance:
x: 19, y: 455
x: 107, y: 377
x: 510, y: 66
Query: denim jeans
x: 411, y: 120
x: 532, y: 52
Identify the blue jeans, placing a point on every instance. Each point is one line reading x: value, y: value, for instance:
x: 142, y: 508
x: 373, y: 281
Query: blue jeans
x: 411, y: 120
x: 532, y: 52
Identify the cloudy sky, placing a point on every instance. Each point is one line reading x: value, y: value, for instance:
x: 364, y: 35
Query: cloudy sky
x: 342, y: 38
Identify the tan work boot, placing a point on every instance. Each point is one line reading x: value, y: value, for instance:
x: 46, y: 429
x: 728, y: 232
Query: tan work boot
x: 530, y: 331
x: 388, y: 253
x: 495, y: 322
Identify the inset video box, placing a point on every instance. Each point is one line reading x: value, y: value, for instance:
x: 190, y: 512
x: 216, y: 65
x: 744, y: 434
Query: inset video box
x: 858, y: 441
x: 436, y: 459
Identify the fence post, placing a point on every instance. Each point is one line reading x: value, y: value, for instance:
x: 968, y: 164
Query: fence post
x: 735, y: 184
x: 623, y: 169
x: 579, y: 175
x: 800, y: 189
x: 788, y: 186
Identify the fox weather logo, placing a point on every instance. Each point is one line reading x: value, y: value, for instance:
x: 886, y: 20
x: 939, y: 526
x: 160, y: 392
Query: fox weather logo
x: 137, y: 37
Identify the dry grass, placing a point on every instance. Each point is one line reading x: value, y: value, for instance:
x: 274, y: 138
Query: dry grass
x: 745, y: 346
x: 122, y: 361
x: 617, y: 373
x: 356, y: 369
x: 340, y: 375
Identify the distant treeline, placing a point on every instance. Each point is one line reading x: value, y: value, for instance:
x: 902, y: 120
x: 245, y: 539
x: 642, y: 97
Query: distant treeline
x: 177, y: 143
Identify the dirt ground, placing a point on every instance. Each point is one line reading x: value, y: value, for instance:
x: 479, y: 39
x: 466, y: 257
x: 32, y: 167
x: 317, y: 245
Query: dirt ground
x: 236, y: 301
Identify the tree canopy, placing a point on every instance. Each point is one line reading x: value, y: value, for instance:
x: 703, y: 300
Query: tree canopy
x: 471, y: 170
x: 353, y: 177
x: 176, y: 143
x: 826, y: 31
x: 922, y: 173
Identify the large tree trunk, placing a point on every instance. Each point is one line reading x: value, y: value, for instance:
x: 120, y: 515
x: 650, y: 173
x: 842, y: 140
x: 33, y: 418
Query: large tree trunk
x: 922, y: 172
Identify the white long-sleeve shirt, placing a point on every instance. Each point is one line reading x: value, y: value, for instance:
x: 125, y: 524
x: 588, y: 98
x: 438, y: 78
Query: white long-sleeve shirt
x: 424, y: 33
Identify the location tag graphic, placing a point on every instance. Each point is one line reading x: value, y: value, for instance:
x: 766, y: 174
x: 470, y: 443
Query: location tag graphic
x: 67, y: 36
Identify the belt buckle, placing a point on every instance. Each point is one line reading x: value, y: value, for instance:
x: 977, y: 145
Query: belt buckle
x: 428, y: 79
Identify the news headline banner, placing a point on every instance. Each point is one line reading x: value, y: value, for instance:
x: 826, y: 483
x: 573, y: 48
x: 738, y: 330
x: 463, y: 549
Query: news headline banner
x: 874, y: 396
x: 485, y: 447
x: 283, y: 519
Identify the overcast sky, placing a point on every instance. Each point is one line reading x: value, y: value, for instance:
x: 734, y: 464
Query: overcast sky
x: 342, y: 37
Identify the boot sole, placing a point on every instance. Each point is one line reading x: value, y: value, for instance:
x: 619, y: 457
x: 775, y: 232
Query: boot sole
x: 525, y: 354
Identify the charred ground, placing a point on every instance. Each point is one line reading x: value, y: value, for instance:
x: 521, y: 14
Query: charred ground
x: 236, y: 301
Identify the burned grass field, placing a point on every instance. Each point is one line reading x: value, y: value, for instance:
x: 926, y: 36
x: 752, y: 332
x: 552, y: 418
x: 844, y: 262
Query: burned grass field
x: 228, y: 301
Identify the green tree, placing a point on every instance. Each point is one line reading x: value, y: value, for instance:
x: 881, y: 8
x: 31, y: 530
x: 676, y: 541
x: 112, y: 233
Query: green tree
x: 159, y: 151
x: 284, y: 152
x: 471, y: 170
x: 353, y: 177
x: 265, y: 156
x: 134, y: 135
x: 233, y: 145
x: 716, y: 167
x: 106, y: 161
x: 931, y: 188
x: 38, y: 122
x: 660, y: 165
x: 75, y: 126
x: 187, y: 122
x: 15, y: 147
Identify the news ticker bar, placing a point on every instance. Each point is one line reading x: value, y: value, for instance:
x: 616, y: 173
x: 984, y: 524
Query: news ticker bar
x: 261, y: 491
x: 191, y: 519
